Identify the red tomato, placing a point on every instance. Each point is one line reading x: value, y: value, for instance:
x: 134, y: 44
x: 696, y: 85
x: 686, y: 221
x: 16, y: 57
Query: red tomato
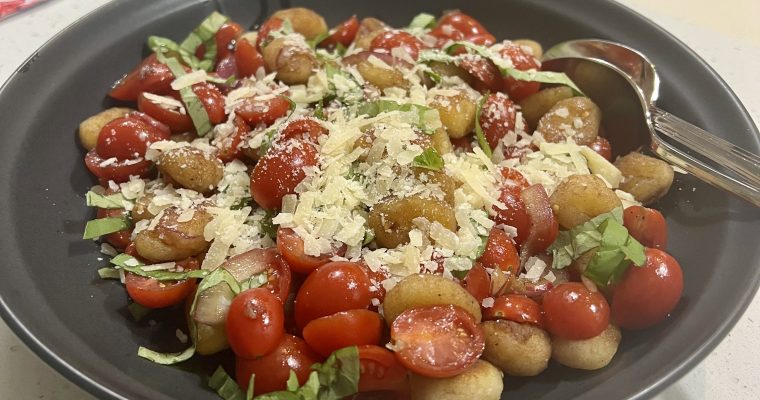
x: 305, y: 129
x: 482, y: 39
x: 120, y: 240
x: 153, y: 293
x: 118, y: 171
x: 342, y: 34
x: 437, y: 341
x: 248, y: 60
x: 225, y: 38
x: 646, y: 225
x: 497, y: 118
x: 514, y: 214
x: 272, y: 24
x: 229, y: 147
x: 647, y: 294
x: 280, y: 171
x: 343, y: 329
x: 176, y: 121
x: 127, y: 138
x: 164, y: 130
x: 391, y: 39
x: 457, y: 25
x: 487, y: 76
x: 514, y: 177
x: 501, y: 253
x: 603, y: 147
x: 543, y: 224
x: 331, y: 288
x: 380, y: 370
x: 213, y: 101
x: 273, y: 369
x: 291, y: 248
x: 573, y: 312
x: 518, y: 90
x: 150, y: 76
x: 255, y: 323
x: 517, y: 308
x: 265, y: 112
x: 478, y: 282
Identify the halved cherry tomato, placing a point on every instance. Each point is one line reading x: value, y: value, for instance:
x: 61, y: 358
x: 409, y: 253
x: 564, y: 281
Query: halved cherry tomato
x: 457, y: 25
x: 257, y: 261
x: 514, y: 177
x: 497, y: 118
x: 478, y: 282
x: 646, y: 295
x: 573, y: 312
x: 265, y: 112
x: 646, y: 225
x: 120, y: 240
x: 229, y: 147
x: 379, y: 370
x: 521, y: 60
x: 303, y: 129
x: 390, y: 39
x: 343, y: 329
x: 213, y: 101
x: 127, y: 138
x: 501, y: 253
x: 331, y: 288
x: 342, y: 34
x: 225, y: 37
x: 280, y: 171
x: 481, y: 39
x: 543, y: 224
x: 517, y: 308
x: 291, y: 248
x: 150, y: 76
x: 255, y: 323
x: 437, y: 341
x: 273, y: 369
x: 514, y: 214
x: 164, y: 130
x: 487, y: 76
x: 118, y: 171
x: 152, y: 293
x: 175, y: 120
x: 603, y: 147
x: 248, y: 60
x: 272, y: 24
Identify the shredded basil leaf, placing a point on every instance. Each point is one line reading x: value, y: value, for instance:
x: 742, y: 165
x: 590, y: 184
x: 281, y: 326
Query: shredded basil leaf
x: 131, y: 264
x: 429, y: 159
x: 313, y: 43
x: 267, y: 226
x: 225, y: 386
x: 202, y: 35
x: 162, y: 45
x: 319, y: 111
x: 369, y: 236
x: 422, y: 21
x: 138, y: 311
x: 166, y: 358
x: 103, y: 226
x: 194, y: 106
x: 111, y: 201
x: 109, y: 273
x: 242, y: 203
x: 479, y: 130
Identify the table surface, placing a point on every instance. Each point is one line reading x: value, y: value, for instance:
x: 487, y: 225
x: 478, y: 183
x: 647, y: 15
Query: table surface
x: 727, y: 37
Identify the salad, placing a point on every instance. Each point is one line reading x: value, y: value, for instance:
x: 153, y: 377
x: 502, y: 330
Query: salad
x: 373, y: 211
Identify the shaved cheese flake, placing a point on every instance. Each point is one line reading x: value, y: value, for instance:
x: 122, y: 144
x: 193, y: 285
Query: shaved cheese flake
x: 189, y: 79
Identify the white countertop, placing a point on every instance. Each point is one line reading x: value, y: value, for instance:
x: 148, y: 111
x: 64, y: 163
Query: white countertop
x: 727, y: 36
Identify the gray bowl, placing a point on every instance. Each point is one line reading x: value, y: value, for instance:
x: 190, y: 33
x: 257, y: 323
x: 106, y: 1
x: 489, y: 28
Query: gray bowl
x: 51, y: 297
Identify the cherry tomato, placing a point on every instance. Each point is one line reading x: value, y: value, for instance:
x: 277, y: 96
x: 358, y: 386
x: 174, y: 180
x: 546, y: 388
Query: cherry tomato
x: 331, y: 288
x: 544, y: 227
x: 603, y: 147
x: 291, y: 248
x: 391, y: 39
x: 152, y: 293
x: 273, y: 369
x: 481, y: 39
x: 248, y: 60
x: 514, y: 214
x: 343, y: 329
x: 127, y: 138
x: 647, y: 226
x: 305, y: 129
x: 501, y: 253
x: 380, y: 370
x: 225, y: 38
x: 487, y: 76
x: 573, y: 312
x: 514, y: 177
x: 517, y: 308
x: 497, y: 118
x: 457, y: 25
x: 342, y: 34
x: 229, y: 147
x: 265, y: 112
x: 437, y: 341
x: 159, y: 126
x: 213, y: 101
x: 150, y: 76
x: 646, y: 295
x: 272, y: 24
x: 478, y: 282
x: 257, y: 261
x: 120, y: 240
x: 518, y: 90
x: 255, y: 323
x: 176, y: 121
x: 280, y: 171
x: 118, y: 171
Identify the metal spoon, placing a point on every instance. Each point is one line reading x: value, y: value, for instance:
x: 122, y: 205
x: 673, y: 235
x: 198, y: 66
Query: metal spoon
x: 624, y: 84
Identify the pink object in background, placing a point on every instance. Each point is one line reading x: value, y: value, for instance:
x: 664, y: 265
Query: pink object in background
x: 10, y: 7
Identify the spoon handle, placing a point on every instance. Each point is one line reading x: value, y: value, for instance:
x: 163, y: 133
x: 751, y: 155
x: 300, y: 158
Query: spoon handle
x: 728, y: 166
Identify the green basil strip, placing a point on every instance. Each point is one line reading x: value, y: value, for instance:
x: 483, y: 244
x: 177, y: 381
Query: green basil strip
x: 109, y: 273
x: 131, y: 264
x: 202, y: 35
x: 225, y: 386
x: 313, y: 43
x: 103, y: 226
x: 138, y: 311
x: 422, y: 21
x: 162, y: 45
x: 479, y: 130
x: 166, y: 358
x: 193, y: 104
x: 111, y: 201
x: 429, y: 159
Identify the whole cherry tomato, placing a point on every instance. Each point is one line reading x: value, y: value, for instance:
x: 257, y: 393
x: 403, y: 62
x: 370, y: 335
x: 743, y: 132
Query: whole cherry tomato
x: 501, y: 253
x: 305, y: 129
x: 573, y: 312
x: 342, y: 34
x: 248, y: 60
x: 225, y: 37
x: 343, y: 329
x: 150, y: 76
x: 255, y: 323
x: 280, y: 171
x: 331, y: 288
x: 457, y: 25
x: 517, y: 308
x: 646, y: 225
x: 291, y: 248
x: 153, y: 293
x: 646, y: 295
x: 603, y: 147
x: 437, y: 341
x: 497, y: 118
x: 478, y: 282
x: 523, y: 61
x: 390, y: 39
x: 379, y: 370
x: 273, y: 369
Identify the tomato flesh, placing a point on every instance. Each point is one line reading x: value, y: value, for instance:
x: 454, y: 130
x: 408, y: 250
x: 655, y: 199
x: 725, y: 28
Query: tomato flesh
x: 291, y: 248
x: 573, y: 312
x: 478, y: 282
x: 280, y: 171
x: 517, y: 308
x: 501, y: 253
x: 175, y: 120
x: 521, y: 60
x: 126, y: 138
x: 437, y: 341
x: 342, y: 35
x: 152, y: 293
x: 647, y: 226
x: 119, y: 240
x: 255, y: 323
x: 265, y: 112
x: 514, y: 213
x: 118, y: 171
x: 603, y: 147
x: 544, y: 227
x: 390, y: 39
x: 225, y: 37
x: 332, y: 288
x: 343, y: 329
x: 248, y: 60
x: 497, y: 118
x: 273, y: 369
x: 379, y: 370
x: 150, y: 76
